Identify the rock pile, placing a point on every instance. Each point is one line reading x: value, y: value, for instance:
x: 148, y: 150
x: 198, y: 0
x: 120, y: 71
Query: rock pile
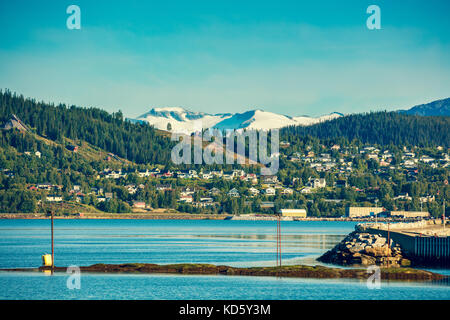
x: 363, y: 249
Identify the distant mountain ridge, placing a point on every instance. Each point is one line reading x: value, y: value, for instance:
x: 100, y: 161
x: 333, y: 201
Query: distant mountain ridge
x: 185, y: 121
x: 434, y: 108
x: 142, y: 144
x: 182, y: 120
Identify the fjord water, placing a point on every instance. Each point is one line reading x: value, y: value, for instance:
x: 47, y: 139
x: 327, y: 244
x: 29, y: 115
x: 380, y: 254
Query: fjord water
x: 236, y: 243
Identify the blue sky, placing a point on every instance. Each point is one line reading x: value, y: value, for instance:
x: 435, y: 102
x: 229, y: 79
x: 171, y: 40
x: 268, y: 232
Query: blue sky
x: 289, y: 57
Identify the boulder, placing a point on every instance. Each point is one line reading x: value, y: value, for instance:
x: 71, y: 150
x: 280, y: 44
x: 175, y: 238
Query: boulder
x: 363, y: 235
x: 367, y: 260
x: 356, y: 248
x: 377, y: 251
x: 379, y: 242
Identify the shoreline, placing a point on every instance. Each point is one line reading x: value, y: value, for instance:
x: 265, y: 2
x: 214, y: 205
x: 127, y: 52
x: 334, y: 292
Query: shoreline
x: 167, y: 216
x: 290, y: 271
x: 115, y: 216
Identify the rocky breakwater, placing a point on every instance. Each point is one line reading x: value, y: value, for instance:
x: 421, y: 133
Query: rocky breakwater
x: 364, y: 249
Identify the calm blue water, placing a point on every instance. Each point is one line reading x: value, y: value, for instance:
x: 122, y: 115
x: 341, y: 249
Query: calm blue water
x: 237, y: 243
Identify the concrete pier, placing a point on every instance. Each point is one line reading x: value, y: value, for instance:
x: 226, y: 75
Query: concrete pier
x: 425, y: 243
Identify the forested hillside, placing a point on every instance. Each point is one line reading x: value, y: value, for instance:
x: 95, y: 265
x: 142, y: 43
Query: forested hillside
x: 383, y: 128
x: 139, y: 143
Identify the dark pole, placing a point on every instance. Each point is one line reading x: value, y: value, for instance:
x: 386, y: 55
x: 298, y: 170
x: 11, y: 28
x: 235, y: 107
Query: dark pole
x: 277, y: 242
x: 279, y: 231
x: 389, y: 246
x: 443, y: 214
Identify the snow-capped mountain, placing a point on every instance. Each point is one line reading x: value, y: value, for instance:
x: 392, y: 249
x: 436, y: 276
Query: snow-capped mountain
x: 180, y: 120
x: 264, y: 120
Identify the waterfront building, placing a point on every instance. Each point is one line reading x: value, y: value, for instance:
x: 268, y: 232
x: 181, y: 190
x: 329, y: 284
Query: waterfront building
x: 139, y: 205
x: 298, y: 213
x: 356, y: 212
x: 410, y: 214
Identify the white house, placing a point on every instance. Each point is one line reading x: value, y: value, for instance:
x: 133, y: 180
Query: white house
x: 306, y: 190
x: 187, y: 191
x: 317, y: 183
x: 145, y: 173
x: 287, y: 191
x: 214, y: 191
x: 269, y: 191
x: 426, y: 159
x: 227, y: 176
x: 186, y: 199
x: 206, y: 175
x: 54, y: 198
x: 253, y: 191
x: 233, y: 193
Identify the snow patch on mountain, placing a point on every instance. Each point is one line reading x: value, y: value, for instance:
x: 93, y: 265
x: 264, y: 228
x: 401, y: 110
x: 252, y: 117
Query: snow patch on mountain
x: 184, y: 121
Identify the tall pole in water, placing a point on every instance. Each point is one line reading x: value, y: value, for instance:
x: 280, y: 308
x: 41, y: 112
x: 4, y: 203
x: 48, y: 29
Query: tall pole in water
x: 279, y: 231
x: 278, y: 241
x: 443, y: 214
x: 53, y: 251
x: 389, y: 245
x: 376, y: 213
x: 278, y: 252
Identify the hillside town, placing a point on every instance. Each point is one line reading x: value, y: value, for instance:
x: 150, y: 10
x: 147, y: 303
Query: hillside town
x: 317, y: 180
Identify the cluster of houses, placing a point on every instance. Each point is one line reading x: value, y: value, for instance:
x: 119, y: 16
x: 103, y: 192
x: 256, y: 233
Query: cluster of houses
x: 324, y: 162
x: 183, y: 174
x: 54, y: 192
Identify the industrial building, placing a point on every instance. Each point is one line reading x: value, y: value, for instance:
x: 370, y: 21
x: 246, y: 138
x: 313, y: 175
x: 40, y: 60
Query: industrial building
x: 410, y: 214
x: 297, y: 213
x: 356, y: 212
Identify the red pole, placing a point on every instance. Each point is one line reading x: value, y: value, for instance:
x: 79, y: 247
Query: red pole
x: 53, y: 251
